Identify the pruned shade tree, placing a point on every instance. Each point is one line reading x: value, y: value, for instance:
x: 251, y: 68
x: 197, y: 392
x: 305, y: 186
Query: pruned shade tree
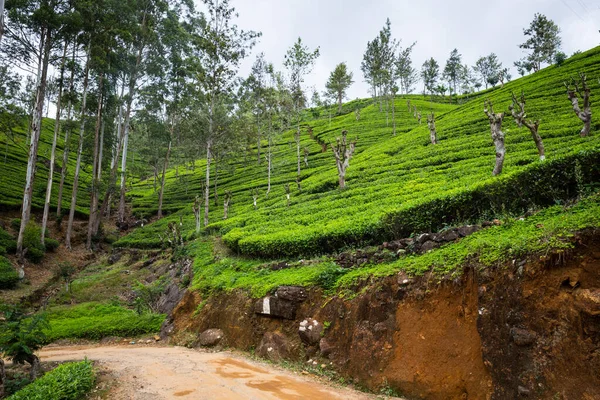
x: 343, y: 152
x: 517, y: 109
x: 497, y: 134
x: 583, y: 92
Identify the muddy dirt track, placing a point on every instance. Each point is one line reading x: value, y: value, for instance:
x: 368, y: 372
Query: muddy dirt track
x: 152, y: 373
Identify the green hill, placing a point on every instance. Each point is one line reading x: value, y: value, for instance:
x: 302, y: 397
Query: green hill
x: 396, y: 185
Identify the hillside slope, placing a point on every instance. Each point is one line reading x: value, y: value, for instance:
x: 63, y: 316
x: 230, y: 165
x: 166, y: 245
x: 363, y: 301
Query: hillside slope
x: 397, y: 185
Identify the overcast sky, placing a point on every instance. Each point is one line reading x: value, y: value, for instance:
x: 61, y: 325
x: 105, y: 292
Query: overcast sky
x: 342, y: 28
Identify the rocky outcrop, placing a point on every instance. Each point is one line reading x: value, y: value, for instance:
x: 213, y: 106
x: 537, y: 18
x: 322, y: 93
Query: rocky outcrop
x: 210, y: 337
x: 274, y: 346
x: 283, y: 304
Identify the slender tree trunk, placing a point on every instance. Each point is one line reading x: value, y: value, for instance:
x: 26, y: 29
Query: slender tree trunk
x: 258, y: 140
x: 207, y: 183
x: 65, y: 160
x: 95, y: 168
x: 36, y: 129
x: 79, y: 152
x: 162, y: 183
x: 36, y: 367
x: 53, y: 151
x: 1, y: 34
x: 130, y: 95
x: 269, y: 168
x: 394, y: 115
x: 216, y: 189
x: 101, y: 151
x: 339, y: 102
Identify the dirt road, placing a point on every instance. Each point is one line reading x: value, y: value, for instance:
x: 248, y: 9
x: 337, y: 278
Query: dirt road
x: 152, y: 373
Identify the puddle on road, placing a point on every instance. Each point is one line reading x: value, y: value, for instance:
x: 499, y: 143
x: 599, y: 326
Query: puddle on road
x: 282, y: 387
x: 183, y: 393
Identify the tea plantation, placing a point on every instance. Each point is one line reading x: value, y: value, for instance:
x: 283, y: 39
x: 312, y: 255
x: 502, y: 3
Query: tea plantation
x: 396, y: 185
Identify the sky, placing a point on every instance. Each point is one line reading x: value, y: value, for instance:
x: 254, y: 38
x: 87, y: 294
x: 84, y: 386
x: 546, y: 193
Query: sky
x: 342, y: 28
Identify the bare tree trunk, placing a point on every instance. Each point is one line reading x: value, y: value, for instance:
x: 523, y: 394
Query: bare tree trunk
x: 297, y: 138
x: 65, y: 160
x: 226, y: 204
x: 419, y: 116
x: 36, y: 367
x: 207, y: 183
x: 36, y: 129
x: 197, y: 209
x: 53, y: 151
x: 162, y: 183
x: 215, y: 188
x: 584, y: 115
x: 101, y: 151
x: 79, y: 152
x: 95, y: 170
x: 394, y: 114
x: 340, y: 102
x: 269, y: 166
x: 130, y: 96
x: 432, y: 129
x: 497, y: 135
x: 343, y: 153
x: 519, y: 117
x: 1, y: 34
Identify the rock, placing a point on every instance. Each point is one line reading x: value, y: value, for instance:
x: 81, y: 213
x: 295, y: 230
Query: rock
x: 467, y: 230
x: 447, y: 236
x: 588, y: 301
x: 423, y: 237
x: 310, y: 331
x: 522, y: 337
x: 279, y: 266
x: 292, y: 293
x: 325, y: 347
x: 276, y: 307
x: 429, y: 245
x: 156, y: 338
x: 274, y: 346
x: 210, y: 337
x: 523, y: 391
x: 114, y: 258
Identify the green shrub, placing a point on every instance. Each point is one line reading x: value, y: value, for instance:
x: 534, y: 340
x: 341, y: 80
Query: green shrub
x: 31, y: 242
x: 2, y: 250
x: 7, y: 241
x: 8, y: 275
x: 70, y: 381
x: 51, y: 244
x: 15, y: 223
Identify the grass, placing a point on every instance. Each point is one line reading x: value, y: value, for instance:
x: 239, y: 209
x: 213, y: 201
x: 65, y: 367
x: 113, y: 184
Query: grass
x: 547, y: 231
x: 69, y: 381
x: 97, y: 320
x: 397, y: 185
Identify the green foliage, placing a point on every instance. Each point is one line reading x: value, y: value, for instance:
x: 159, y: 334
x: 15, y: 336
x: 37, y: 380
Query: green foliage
x: 8, y: 275
x: 147, y: 295
x: 16, y: 382
x: 70, y: 381
x: 51, y: 244
x: 97, y: 320
x: 21, y: 335
x: 7, y: 242
x: 32, y: 242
